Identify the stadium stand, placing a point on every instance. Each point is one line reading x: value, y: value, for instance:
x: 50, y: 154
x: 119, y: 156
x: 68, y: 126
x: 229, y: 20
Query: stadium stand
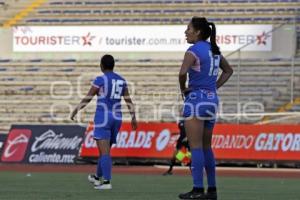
x: 70, y: 12
x: 26, y: 88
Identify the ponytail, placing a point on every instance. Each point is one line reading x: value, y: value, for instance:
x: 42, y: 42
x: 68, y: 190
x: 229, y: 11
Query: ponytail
x: 214, y: 47
x: 208, y: 30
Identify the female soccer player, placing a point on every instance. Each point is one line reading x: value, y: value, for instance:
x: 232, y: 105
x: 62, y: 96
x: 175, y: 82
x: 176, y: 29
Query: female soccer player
x: 201, y: 61
x: 109, y: 88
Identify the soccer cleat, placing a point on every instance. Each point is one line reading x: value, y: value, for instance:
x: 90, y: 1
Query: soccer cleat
x: 211, y: 196
x: 94, y: 179
x: 194, y: 194
x: 106, y: 186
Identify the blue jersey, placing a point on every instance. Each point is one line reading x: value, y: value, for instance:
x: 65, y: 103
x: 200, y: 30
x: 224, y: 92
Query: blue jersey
x: 203, y: 75
x: 203, y: 101
x: 111, y: 89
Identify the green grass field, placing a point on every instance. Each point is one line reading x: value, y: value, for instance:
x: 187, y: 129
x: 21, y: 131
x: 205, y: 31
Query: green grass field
x: 73, y: 186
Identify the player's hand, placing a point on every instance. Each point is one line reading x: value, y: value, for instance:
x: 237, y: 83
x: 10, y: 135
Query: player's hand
x: 73, y: 114
x: 134, y: 123
x: 185, y: 92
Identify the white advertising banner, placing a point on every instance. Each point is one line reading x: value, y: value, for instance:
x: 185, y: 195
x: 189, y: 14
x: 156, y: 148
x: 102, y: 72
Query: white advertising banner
x: 161, y: 38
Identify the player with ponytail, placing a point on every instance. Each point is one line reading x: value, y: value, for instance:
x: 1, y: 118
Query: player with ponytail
x: 201, y: 63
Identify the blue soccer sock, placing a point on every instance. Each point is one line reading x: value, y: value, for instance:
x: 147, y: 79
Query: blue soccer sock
x: 99, y: 169
x: 210, y: 167
x: 106, y: 166
x: 197, y: 167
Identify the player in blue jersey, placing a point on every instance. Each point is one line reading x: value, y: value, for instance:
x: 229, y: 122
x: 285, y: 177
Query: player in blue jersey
x: 201, y: 62
x: 109, y: 88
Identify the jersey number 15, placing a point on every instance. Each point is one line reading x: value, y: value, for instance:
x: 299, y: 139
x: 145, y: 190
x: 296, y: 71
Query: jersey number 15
x: 116, y: 90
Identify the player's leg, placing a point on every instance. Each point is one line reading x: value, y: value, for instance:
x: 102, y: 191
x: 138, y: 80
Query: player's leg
x: 96, y: 179
x: 109, y: 137
x: 194, y: 131
x: 100, y: 132
x: 105, y: 162
x: 172, y: 163
x: 102, y: 136
x: 179, y: 145
x: 210, y: 166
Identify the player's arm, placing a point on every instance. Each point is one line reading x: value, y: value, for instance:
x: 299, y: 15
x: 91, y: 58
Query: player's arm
x: 131, y: 109
x: 227, y: 71
x: 188, y: 61
x: 91, y: 93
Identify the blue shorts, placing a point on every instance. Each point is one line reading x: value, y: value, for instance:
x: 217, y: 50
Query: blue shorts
x: 107, y: 126
x: 202, y: 104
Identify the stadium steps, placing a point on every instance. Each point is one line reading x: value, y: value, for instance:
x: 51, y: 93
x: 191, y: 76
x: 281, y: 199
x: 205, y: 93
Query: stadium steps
x: 26, y: 87
x: 74, y: 12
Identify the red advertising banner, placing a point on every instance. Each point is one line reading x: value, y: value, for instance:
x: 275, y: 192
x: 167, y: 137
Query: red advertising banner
x: 16, y: 145
x: 150, y: 140
x: 257, y: 142
x: 230, y: 142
